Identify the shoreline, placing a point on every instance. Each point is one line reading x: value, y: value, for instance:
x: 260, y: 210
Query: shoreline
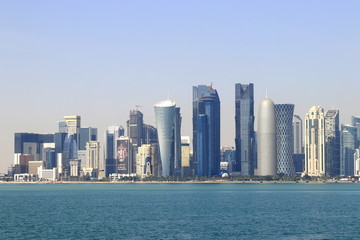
x: 180, y: 182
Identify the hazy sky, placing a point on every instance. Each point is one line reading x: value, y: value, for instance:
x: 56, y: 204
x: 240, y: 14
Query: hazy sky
x: 99, y: 59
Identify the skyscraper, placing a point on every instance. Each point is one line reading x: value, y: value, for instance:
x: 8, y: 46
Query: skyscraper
x: 135, y: 133
x: 355, y: 121
x: 177, y: 142
x: 298, y: 134
x: 111, y: 137
x: 206, y: 127
x: 244, y: 128
x: 315, y: 142
x: 348, y: 145
x: 135, y: 128
x: 73, y: 123
x: 164, y: 114
x: 86, y: 135
x: 332, y: 143
x: 266, y: 138
x: 284, y: 138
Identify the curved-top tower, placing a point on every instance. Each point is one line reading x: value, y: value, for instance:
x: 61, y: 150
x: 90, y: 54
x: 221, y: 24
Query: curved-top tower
x: 266, y: 138
x: 164, y: 114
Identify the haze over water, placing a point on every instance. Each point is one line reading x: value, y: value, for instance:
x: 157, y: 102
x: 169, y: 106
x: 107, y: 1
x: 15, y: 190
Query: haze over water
x: 180, y: 211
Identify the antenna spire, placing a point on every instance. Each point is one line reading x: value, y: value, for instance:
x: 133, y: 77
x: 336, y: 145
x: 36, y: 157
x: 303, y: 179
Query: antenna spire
x: 266, y: 93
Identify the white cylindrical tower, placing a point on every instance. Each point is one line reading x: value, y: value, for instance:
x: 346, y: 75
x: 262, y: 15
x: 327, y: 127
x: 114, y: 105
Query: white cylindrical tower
x: 164, y: 114
x: 266, y: 138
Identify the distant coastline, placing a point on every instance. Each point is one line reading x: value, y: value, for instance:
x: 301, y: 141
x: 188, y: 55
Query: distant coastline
x: 178, y: 182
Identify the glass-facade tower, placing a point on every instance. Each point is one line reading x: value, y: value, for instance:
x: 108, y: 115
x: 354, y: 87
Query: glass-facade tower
x: 332, y: 143
x: 244, y: 128
x: 206, y: 112
x: 284, y: 139
x: 348, y: 145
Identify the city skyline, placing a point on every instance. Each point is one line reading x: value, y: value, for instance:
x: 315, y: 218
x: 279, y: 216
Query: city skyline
x: 101, y: 67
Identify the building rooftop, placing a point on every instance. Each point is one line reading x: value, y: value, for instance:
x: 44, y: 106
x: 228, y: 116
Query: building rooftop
x: 165, y: 103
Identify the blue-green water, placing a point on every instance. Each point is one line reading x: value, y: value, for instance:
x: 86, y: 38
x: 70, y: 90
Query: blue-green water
x: 180, y: 211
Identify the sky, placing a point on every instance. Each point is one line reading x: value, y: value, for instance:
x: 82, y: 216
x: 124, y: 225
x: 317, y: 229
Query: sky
x: 99, y: 59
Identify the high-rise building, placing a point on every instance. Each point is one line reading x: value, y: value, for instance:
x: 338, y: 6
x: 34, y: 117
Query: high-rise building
x: 284, y: 138
x: 332, y: 143
x: 244, y: 128
x: 31, y: 143
x: 348, y: 146
x: 228, y: 155
x: 144, y: 166
x: 298, y: 135
x: 185, y: 156
x: 70, y: 151
x: 111, y: 137
x: 124, y: 158
x: 355, y: 121
x: 357, y: 162
x: 206, y: 130
x: 150, y: 134
x: 62, y: 126
x: 93, y: 154
x: 86, y: 135
x: 177, y: 142
x: 266, y: 139
x: 165, y: 115
x: 315, y: 142
x: 73, y: 123
x: 135, y: 131
x: 135, y: 128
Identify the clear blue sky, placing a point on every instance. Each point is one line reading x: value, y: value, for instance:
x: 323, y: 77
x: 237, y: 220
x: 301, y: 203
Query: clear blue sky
x: 99, y: 59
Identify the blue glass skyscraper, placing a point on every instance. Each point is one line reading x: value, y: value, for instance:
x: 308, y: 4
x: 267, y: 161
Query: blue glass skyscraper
x: 206, y: 130
x: 244, y: 128
x: 348, y: 145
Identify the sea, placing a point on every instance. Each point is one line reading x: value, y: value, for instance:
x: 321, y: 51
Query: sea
x: 180, y: 211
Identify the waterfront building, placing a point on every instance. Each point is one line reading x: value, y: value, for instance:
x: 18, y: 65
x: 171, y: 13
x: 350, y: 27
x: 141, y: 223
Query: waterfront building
x: 73, y: 123
x: 244, y: 128
x: 112, y: 134
x: 31, y: 143
x: 135, y: 132
x: 332, y: 143
x: 228, y: 154
x: 315, y: 142
x: 124, y: 156
x: 298, y: 135
x: 150, y: 134
x: 70, y: 151
x: 49, y: 157
x: 47, y: 174
x: 177, y: 142
x: 144, y: 166
x: 266, y: 135
x: 75, y: 167
x: 357, y: 162
x: 355, y: 121
x: 24, y: 161
x: 348, y: 145
x: 185, y: 156
x: 206, y: 130
x: 135, y: 128
x: 33, y: 166
x: 93, y: 157
x: 165, y: 115
x: 62, y: 126
x: 284, y: 138
x: 86, y: 135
